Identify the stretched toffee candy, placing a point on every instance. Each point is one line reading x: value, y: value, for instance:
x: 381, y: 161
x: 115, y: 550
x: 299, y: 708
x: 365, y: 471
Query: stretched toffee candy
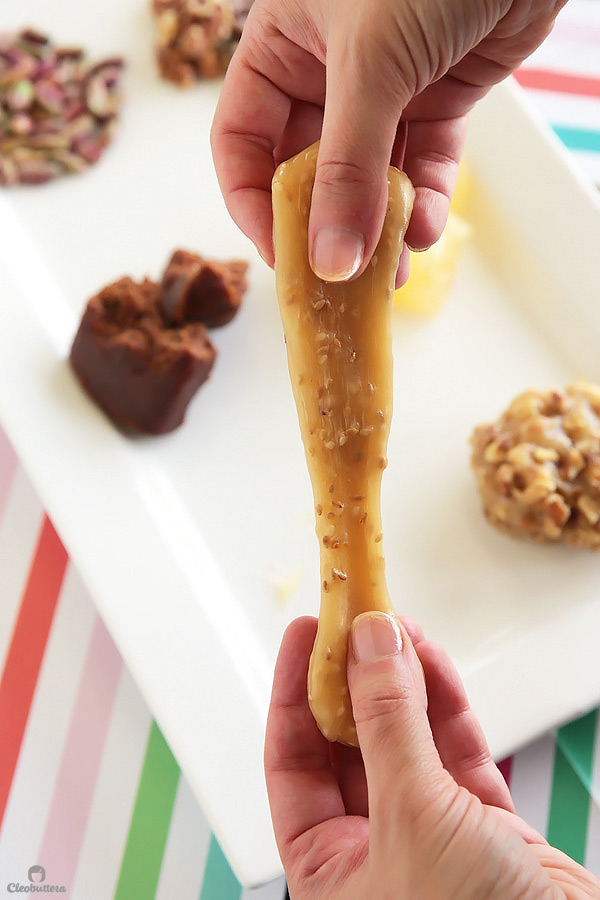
x: 339, y: 348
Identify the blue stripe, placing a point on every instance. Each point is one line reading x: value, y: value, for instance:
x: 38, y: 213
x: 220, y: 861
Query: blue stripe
x: 219, y: 881
x: 579, y: 138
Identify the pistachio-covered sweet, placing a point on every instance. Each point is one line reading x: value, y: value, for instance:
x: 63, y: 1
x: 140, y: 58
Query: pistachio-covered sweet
x: 58, y: 111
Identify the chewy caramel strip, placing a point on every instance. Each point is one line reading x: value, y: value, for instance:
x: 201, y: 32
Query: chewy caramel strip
x: 339, y: 349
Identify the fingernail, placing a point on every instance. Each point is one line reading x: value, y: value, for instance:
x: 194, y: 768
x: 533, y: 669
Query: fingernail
x: 337, y: 253
x: 375, y: 635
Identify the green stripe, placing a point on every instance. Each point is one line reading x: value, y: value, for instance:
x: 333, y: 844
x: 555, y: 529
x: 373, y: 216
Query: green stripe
x: 219, y: 881
x: 579, y: 138
x: 144, y: 850
x: 577, y: 741
x: 570, y: 796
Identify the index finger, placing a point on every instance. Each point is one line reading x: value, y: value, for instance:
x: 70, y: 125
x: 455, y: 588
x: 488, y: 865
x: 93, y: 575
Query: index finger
x: 250, y: 116
x: 458, y: 736
x: 302, y: 787
x: 268, y: 75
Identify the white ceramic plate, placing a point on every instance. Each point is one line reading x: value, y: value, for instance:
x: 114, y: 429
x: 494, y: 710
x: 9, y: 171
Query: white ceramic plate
x: 186, y: 541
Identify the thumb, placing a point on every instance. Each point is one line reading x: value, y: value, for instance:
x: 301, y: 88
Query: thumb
x: 361, y: 115
x: 389, y: 703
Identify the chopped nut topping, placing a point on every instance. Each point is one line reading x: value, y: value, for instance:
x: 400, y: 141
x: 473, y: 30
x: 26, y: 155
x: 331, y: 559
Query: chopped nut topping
x: 538, y: 467
x: 195, y: 39
x: 493, y: 453
x: 546, y: 454
x: 337, y: 573
x: 590, y: 508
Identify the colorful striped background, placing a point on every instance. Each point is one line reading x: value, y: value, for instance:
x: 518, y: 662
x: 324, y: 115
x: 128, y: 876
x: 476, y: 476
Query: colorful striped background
x: 562, y: 79
x: 88, y: 786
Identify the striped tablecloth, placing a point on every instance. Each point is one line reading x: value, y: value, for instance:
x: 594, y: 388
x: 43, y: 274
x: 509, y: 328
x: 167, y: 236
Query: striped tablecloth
x: 88, y: 786
x: 562, y: 78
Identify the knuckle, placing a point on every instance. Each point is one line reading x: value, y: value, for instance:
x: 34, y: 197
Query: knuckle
x: 382, y: 702
x: 339, y: 175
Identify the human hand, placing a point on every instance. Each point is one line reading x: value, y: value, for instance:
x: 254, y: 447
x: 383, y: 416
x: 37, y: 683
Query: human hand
x: 424, y: 812
x: 378, y: 81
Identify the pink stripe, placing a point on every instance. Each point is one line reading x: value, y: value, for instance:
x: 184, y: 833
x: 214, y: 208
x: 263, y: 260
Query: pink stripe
x: 8, y: 466
x: 558, y: 82
x: 27, y: 649
x: 80, y: 763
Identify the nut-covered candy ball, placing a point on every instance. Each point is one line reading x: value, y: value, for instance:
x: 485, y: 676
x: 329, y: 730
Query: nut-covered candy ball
x: 538, y: 466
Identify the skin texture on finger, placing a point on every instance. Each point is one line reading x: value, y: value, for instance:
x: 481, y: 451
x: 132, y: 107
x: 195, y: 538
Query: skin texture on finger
x: 270, y: 79
x: 350, y: 190
x: 302, y: 129
x: 349, y: 768
x: 515, y: 36
x: 244, y: 159
x: 522, y: 828
x: 413, y: 628
x: 458, y: 736
x: 431, y: 160
x: 348, y: 763
x: 389, y: 705
x: 575, y: 882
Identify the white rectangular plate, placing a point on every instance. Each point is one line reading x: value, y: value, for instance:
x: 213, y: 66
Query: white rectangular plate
x: 186, y: 541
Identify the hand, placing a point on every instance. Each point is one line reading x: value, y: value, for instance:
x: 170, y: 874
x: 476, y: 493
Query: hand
x: 423, y: 813
x: 378, y: 81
